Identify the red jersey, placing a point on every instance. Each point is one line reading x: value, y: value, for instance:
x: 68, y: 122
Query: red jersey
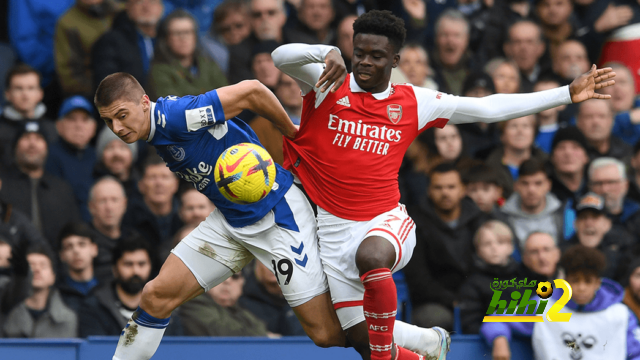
x: 351, y: 143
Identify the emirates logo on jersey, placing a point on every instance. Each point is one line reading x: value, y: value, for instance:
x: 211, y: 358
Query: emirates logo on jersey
x: 395, y: 113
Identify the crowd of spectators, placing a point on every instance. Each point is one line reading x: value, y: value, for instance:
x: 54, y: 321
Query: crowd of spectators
x: 86, y: 219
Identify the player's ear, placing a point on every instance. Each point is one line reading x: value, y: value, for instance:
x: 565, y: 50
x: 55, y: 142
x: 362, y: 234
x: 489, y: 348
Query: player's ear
x: 396, y: 60
x: 145, y: 102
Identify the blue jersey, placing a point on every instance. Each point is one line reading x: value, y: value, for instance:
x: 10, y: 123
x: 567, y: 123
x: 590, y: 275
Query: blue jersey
x: 190, y: 133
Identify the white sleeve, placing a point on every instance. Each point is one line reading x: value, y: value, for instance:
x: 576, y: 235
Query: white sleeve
x: 305, y: 63
x: 501, y: 107
x: 433, y: 106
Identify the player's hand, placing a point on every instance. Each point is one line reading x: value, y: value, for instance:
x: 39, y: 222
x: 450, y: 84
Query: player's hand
x: 501, y: 349
x: 334, y: 72
x: 584, y: 86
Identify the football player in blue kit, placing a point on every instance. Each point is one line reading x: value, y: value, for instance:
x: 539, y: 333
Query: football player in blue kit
x: 190, y: 133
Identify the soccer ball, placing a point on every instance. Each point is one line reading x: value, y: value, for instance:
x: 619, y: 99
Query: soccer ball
x: 245, y: 173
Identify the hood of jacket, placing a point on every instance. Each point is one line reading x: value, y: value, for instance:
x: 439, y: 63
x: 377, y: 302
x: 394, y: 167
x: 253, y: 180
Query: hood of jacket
x: 512, y: 206
x: 11, y: 113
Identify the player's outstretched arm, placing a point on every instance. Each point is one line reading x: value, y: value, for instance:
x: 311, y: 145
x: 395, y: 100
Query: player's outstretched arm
x: 304, y: 62
x: 254, y: 96
x: 501, y: 107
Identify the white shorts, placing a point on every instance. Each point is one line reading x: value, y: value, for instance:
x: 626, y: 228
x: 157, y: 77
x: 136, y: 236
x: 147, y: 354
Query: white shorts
x: 339, y: 240
x: 284, y: 240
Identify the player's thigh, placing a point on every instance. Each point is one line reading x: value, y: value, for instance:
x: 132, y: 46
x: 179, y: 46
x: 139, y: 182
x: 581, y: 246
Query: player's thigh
x: 210, y: 253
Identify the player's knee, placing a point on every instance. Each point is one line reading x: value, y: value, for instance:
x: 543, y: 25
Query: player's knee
x: 324, y: 338
x: 154, y: 298
x: 371, y: 260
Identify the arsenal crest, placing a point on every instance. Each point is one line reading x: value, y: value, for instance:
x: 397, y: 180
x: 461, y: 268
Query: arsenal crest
x: 395, y: 113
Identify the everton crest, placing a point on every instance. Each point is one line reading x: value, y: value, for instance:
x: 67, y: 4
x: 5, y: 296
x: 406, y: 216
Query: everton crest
x: 395, y: 113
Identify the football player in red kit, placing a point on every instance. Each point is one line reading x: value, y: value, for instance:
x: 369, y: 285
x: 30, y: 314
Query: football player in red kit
x: 347, y: 154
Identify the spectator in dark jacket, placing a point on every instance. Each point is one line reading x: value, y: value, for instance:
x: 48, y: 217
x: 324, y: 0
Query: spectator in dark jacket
x: 47, y: 200
x: 569, y: 159
x: 314, y: 27
x: 156, y: 216
x: 263, y: 297
x: 442, y: 257
x: 24, y: 96
x: 107, y: 204
x: 43, y: 314
x: 78, y: 249
x: 128, y: 46
x: 595, y: 120
x: 112, y: 304
x: 72, y: 157
x: 494, y: 244
x: 595, y: 229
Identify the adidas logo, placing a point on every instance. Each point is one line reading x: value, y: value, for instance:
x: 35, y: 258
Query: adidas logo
x: 344, y: 101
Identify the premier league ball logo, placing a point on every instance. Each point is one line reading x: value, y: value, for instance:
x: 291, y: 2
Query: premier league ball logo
x: 395, y: 113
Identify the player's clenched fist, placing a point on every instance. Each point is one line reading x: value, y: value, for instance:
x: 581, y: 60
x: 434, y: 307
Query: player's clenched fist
x: 334, y: 72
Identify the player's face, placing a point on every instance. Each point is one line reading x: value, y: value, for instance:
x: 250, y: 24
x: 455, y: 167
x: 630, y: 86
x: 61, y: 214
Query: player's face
x: 583, y: 287
x: 372, y: 61
x: 129, y: 120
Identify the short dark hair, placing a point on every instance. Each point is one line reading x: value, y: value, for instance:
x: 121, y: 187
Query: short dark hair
x: 531, y: 167
x: 152, y: 160
x: 482, y: 173
x: 445, y: 168
x: 130, y: 243
x: 77, y: 229
x: 383, y: 23
x: 43, y: 249
x: 118, y: 86
x: 580, y: 259
x: 20, y: 69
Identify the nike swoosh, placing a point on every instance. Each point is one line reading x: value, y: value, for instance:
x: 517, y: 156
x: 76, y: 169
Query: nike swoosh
x: 232, y: 167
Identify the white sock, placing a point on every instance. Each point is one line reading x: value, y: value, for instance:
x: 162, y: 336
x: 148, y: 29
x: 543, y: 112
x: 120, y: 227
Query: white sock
x: 419, y: 340
x: 141, y: 337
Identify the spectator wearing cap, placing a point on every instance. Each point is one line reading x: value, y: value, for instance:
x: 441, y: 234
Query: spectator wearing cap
x: 116, y: 158
x: 595, y: 120
x: 595, y: 229
x: 24, y: 103
x: 569, y: 161
x: 76, y: 32
x: 128, y: 46
x: 179, y: 66
x: 72, y: 158
x: 608, y: 178
x: 548, y: 120
x: 479, y: 138
x: 43, y: 314
x: 47, y: 200
x: 262, y: 64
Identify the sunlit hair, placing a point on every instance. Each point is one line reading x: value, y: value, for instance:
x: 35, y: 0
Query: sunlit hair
x: 500, y: 229
x: 383, y: 23
x: 118, y: 86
